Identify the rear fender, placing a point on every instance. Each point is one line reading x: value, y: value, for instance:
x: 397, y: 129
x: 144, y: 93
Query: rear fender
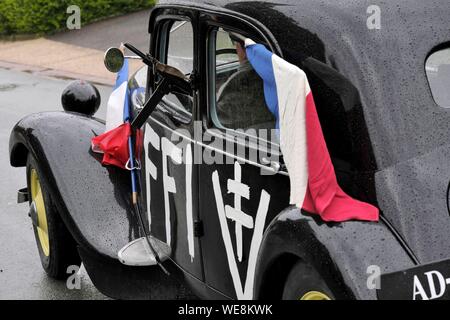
x: 347, y: 255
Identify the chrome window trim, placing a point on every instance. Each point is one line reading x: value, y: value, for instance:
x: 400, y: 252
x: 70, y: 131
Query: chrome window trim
x: 284, y: 173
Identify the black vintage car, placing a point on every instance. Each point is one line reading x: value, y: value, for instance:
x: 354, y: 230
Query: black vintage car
x: 381, y: 80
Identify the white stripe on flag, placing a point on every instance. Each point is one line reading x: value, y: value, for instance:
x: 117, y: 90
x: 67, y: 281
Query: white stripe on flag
x: 114, y: 113
x: 292, y: 90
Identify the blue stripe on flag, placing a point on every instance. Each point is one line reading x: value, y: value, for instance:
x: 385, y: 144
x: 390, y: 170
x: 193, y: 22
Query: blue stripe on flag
x: 126, y: 106
x: 261, y: 60
x: 122, y: 77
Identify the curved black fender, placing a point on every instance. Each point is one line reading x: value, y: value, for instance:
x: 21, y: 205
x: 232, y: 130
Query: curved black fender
x: 93, y: 200
x: 94, y: 203
x: 349, y: 256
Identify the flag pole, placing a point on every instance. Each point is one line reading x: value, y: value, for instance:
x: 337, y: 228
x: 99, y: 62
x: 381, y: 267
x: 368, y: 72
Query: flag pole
x: 133, y: 168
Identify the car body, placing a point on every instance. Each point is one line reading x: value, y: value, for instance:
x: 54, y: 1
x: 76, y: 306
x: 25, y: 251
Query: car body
x: 388, y: 140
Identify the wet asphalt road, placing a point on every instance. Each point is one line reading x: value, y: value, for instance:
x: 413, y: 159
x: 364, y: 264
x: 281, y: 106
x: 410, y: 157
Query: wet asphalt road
x: 21, y: 275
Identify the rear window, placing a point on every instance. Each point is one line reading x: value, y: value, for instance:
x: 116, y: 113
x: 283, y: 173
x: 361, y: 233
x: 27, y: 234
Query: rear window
x: 437, y: 68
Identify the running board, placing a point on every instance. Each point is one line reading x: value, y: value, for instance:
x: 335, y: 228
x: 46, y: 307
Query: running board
x: 139, y: 253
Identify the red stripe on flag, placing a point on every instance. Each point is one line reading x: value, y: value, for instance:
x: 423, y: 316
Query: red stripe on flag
x: 114, y: 144
x: 324, y: 196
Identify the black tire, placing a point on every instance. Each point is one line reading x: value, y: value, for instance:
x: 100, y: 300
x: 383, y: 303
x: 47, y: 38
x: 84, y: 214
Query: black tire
x: 62, y: 249
x: 303, y: 279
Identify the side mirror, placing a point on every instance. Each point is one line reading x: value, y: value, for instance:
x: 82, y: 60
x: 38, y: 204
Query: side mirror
x: 114, y: 59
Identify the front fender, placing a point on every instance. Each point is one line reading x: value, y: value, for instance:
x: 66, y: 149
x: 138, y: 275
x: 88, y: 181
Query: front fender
x: 93, y: 200
x: 341, y: 252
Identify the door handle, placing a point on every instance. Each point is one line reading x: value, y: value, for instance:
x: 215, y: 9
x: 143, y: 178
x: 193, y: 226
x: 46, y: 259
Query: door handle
x: 274, y: 165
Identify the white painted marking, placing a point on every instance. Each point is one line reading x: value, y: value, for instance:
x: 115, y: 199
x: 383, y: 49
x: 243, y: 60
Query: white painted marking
x: 189, y: 216
x: 237, y: 206
x: 150, y: 137
x: 239, y: 217
x: 239, y: 188
x: 261, y: 215
x: 226, y: 235
x: 245, y: 292
x: 175, y: 153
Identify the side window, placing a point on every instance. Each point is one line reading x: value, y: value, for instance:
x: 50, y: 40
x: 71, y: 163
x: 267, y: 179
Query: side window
x: 437, y: 68
x: 238, y: 98
x: 177, y: 50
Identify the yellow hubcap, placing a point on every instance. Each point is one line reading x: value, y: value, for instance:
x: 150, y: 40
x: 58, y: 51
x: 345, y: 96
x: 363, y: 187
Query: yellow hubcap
x: 315, y: 295
x: 38, y: 199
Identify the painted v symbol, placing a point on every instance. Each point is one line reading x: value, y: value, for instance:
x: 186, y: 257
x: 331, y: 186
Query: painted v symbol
x: 242, y: 292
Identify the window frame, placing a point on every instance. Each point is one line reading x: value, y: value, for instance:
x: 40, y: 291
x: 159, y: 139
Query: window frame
x: 165, y: 23
x: 211, y: 125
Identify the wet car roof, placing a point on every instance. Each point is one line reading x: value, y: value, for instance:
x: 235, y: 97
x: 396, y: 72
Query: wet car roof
x: 385, y: 65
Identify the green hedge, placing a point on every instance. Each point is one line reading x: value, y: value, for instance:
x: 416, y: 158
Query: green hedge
x: 47, y: 16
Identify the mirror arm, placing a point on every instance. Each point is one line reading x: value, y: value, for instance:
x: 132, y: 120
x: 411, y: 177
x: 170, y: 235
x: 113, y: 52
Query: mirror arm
x: 162, y: 89
x: 133, y: 57
x: 146, y: 58
x: 172, y: 79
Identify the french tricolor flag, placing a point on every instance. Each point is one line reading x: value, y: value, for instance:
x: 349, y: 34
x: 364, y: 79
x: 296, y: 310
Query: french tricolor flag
x: 313, y: 181
x: 114, y: 143
x: 117, y: 110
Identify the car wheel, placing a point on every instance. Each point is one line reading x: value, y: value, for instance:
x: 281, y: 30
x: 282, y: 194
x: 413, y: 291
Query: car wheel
x: 57, y: 249
x: 305, y: 283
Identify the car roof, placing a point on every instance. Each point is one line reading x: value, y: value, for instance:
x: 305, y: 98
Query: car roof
x: 399, y: 19
x: 336, y: 32
x: 385, y: 64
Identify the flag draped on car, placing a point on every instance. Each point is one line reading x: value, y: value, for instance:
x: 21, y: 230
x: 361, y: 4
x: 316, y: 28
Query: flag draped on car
x: 313, y: 181
x: 114, y: 143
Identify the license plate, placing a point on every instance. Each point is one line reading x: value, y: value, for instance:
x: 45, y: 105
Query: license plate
x: 424, y: 282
